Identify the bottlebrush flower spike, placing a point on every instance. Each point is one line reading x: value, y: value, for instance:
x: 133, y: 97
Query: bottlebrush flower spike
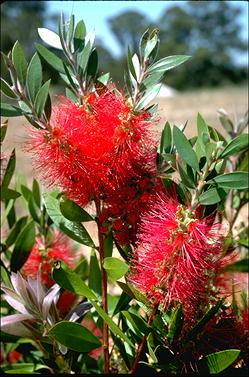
x: 93, y: 147
x: 43, y: 257
x: 125, y: 206
x: 176, y: 257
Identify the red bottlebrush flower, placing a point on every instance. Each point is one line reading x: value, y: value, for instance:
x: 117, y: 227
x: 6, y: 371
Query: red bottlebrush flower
x: 126, y: 205
x: 176, y: 257
x: 59, y: 248
x: 90, y: 149
x: 65, y: 302
x: 14, y: 356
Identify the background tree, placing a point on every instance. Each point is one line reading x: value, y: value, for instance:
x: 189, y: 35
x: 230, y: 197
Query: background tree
x: 209, y: 31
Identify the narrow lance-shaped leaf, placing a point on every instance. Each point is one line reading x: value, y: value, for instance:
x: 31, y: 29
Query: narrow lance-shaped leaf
x: 218, y: 361
x: 6, y: 89
x: 74, y: 230
x: 94, y: 274
x: 9, y: 169
x: 3, y: 129
x: 212, y: 196
x: 149, y: 95
x: 130, y: 64
x: 19, y: 62
x: 175, y: 324
x: 23, y: 246
x: 236, y: 145
x: 167, y: 63
x: 73, y: 211
x: 41, y: 98
x: 73, y: 283
x: 34, y: 77
x: 79, y: 34
x: 50, y: 58
x: 235, y: 180
x: 185, y: 149
x: 83, y: 56
x: 239, y: 266
x: 50, y: 37
x: 7, y: 110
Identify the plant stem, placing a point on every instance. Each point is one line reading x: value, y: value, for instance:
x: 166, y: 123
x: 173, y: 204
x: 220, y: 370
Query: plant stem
x: 104, y: 288
x: 141, y: 346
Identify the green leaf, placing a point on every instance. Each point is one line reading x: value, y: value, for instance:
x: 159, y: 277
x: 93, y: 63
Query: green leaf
x: 212, y: 196
x: 6, y: 89
x: 166, y: 139
x: 3, y: 129
x: 112, y: 325
x: 73, y: 211
x: 94, y: 274
x: 71, y: 281
x: 15, y: 231
x: 19, y: 62
x: 24, y: 368
x: 33, y: 209
x: 202, y: 126
x: 41, y: 98
x: 92, y: 66
x: 235, y: 180
x: 225, y: 121
x: 149, y: 95
x: 239, y: 266
x: 74, y: 336
x: 133, y: 292
x: 168, y: 63
x: 7, y: 194
x: 152, y: 79
x: 70, y: 30
x: 235, y: 146
x: 74, y: 230
x: 108, y: 245
x: 123, y: 303
x: 185, y: 149
x: 9, y: 111
x: 115, y: 268
x: 79, y: 34
x: 149, y: 46
x: 23, y: 246
x: 104, y: 78
x: 137, y: 322
x: 175, y: 324
x: 9, y: 169
x: 83, y: 56
x: 186, y: 179
x: 71, y: 95
x: 36, y: 193
x: 218, y: 361
x: 130, y: 64
x: 50, y: 58
x: 34, y: 77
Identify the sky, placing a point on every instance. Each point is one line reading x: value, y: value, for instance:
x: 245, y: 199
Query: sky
x: 96, y: 13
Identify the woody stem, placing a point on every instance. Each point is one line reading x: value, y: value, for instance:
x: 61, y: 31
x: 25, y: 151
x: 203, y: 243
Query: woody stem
x: 141, y: 346
x: 104, y: 288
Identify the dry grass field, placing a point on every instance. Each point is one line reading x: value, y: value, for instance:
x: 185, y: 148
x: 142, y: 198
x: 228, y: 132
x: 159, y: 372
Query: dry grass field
x: 177, y: 110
